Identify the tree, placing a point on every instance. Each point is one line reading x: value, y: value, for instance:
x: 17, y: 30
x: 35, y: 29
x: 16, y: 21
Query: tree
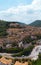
x: 39, y: 55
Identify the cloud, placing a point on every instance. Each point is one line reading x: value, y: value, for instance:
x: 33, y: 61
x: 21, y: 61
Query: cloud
x: 23, y: 13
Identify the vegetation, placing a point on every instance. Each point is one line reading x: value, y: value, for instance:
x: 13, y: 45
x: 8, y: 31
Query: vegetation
x: 40, y: 56
x: 25, y: 52
x: 0, y: 56
x: 37, y: 62
x: 3, y: 27
x: 5, y: 24
x: 30, y: 62
x: 13, y: 50
x: 27, y: 40
x: 36, y: 23
x: 38, y: 36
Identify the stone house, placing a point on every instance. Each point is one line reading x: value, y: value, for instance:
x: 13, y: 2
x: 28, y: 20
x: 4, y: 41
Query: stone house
x: 20, y: 44
x: 33, y: 37
x: 38, y: 42
x: 9, y: 46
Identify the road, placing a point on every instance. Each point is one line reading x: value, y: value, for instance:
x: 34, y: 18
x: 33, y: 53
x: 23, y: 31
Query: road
x: 34, y: 54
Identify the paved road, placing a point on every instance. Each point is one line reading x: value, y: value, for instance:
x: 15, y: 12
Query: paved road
x: 34, y: 54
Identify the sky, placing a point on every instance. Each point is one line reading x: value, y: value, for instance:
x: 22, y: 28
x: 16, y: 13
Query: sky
x: 25, y: 11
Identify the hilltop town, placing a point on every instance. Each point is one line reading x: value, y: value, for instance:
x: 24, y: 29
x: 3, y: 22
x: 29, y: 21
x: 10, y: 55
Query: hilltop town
x: 15, y: 33
x: 19, y: 40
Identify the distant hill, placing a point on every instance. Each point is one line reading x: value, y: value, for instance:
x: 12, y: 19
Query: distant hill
x: 36, y: 23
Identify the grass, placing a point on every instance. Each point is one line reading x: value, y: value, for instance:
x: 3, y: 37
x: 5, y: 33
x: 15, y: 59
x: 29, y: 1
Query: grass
x: 38, y: 62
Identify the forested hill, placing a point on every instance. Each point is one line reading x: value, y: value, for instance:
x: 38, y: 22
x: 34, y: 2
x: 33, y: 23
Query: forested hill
x: 36, y: 23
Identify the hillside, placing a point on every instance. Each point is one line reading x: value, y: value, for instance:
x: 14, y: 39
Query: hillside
x: 4, y: 25
x: 36, y: 23
x: 15, y: 35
